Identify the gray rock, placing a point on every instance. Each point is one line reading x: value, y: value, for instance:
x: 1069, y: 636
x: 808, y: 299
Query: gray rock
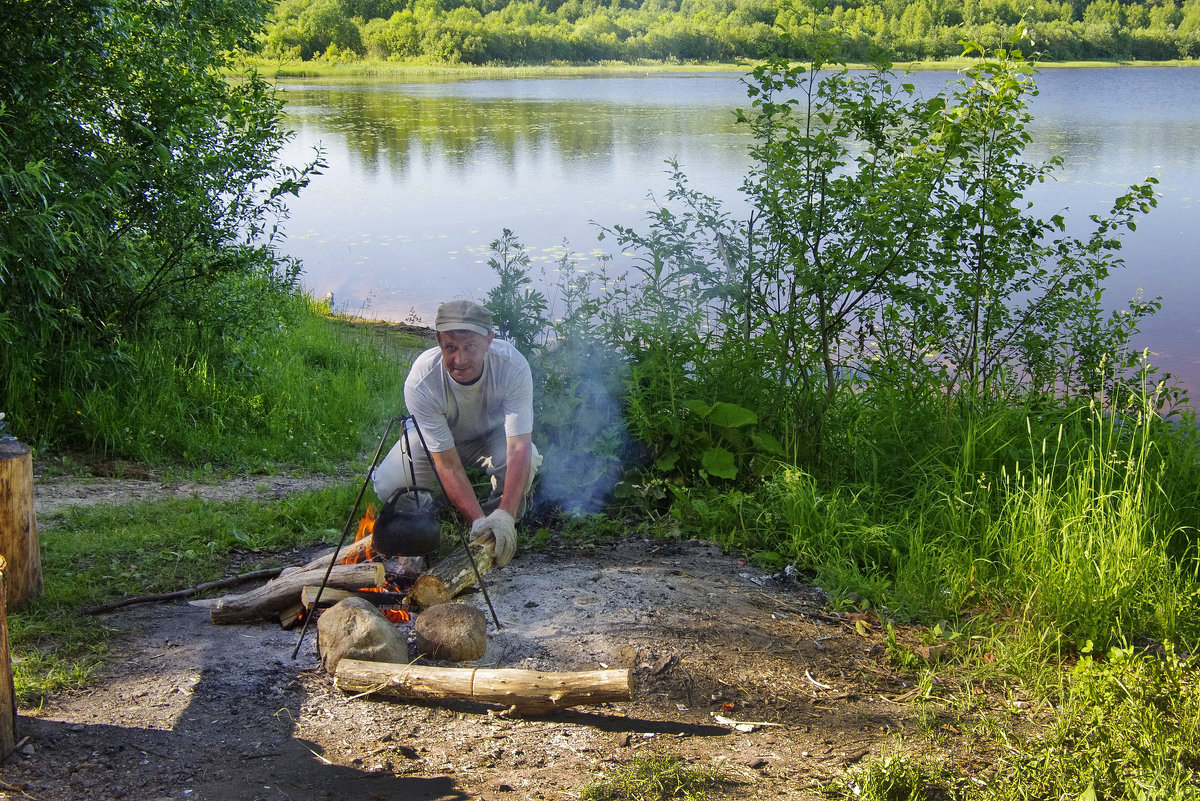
x: 452, y: 632
x: 354, y: 628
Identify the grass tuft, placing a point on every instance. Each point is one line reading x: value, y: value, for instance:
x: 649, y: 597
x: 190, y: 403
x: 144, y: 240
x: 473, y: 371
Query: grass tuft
x: 656, y: 778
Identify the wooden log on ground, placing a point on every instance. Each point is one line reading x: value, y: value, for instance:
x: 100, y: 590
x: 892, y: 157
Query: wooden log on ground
x: 450, y: 577
x: 18, y: 523
x: 278, y: 595
x: 8, y: 694
x: 330, y: 596
x: 526, y: 691
x: 353, y: 551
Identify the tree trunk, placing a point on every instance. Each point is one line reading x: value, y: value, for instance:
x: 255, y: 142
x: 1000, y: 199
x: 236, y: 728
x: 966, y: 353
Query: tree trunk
x: 284, y: 592
x: 18, y: 524
x: 8, y: 694
x: 527, y: 691
x: 449, y: 577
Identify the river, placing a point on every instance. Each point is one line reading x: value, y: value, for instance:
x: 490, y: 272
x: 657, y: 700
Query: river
x: 422, y: 176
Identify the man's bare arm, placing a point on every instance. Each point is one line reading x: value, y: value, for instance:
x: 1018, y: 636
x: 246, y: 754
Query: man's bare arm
x: 519, y: 455
x: 456, y: 484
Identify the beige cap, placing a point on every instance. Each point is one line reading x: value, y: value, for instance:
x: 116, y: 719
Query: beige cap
x: 463, y: 315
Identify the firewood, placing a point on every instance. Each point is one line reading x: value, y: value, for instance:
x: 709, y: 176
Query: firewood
x: 329, y: 597
x: 354, y: 551
x: 289, y: 618
x: 450, y: 577
x: 18, y: 524
x: 278, y: 595
x: 525, y: 691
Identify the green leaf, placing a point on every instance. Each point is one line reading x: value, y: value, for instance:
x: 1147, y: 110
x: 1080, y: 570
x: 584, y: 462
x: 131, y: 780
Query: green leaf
x: 698, y: 407
x: 667, y: 461
x: 730, y: 415
x: 719, y: 462
x: 766, y: 442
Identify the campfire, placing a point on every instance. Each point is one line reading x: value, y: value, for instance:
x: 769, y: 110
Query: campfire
x: 392, y: 591
x: 359, y: 572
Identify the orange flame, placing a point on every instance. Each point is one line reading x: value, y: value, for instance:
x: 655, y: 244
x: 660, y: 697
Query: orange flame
x: 366, y: 527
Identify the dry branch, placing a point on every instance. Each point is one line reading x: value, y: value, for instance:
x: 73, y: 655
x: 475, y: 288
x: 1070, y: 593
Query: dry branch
x: 267, y: 573
x: 526, y: 691
x: 277, y: 596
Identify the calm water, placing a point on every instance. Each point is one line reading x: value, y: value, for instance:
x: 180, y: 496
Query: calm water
x: 422, y: 177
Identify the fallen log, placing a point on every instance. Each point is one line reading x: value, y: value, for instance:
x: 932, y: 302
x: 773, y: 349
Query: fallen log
x: 451, y: 576
x: 525, y: 691
x: 278, y: 595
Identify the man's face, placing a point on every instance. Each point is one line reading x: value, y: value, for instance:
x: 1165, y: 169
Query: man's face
x: 462, y: 354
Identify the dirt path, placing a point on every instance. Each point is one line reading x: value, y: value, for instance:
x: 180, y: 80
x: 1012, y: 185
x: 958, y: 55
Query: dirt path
x: 190, y: 710
x: 53, y: 495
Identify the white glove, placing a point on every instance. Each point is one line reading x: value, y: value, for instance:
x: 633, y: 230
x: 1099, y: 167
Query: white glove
x: 501, y: 530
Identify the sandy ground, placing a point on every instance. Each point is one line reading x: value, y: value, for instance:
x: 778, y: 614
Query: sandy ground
x: 191, y: 710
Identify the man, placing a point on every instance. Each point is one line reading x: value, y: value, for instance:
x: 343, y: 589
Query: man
x: 472, y: 397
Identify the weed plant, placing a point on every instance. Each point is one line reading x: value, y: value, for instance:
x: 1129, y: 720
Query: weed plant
x: 1129, y: 727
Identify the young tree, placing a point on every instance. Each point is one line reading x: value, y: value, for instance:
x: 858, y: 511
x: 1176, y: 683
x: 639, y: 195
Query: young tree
x: 137, y: 175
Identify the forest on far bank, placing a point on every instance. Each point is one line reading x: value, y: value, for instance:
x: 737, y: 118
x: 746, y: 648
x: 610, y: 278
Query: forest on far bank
x: 590, y: 31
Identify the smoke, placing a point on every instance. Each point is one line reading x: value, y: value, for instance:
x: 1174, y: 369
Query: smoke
x: 579, y: 388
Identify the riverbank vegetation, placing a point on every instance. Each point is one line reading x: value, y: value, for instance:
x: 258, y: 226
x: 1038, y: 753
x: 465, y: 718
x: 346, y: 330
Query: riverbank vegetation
x: 890, y: 378
x: 709, y: 31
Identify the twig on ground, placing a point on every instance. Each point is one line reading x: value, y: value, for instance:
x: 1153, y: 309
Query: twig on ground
x: 267, y: 573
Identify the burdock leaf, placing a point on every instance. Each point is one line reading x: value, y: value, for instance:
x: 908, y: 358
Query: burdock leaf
x: 719, y: 462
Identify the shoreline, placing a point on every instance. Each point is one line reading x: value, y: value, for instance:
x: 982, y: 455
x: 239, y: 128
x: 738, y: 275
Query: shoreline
x: 370, y: 69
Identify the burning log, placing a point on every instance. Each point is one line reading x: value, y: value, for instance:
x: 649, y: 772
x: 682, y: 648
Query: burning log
x: 379, y: 597
x: 18, y: 524
x: 526, y: 691
x: 279, y: 595
x: 451, y: 576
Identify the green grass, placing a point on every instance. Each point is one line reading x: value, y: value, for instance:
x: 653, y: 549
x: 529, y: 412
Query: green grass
x: 1129, y: 727
x: 309, y: 392
x: 655, y: 778
x: 97, y: 555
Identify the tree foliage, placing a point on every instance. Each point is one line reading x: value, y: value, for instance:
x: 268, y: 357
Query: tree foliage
x: 140, y: 187
x: 538, y: 31
x: 889, y: 256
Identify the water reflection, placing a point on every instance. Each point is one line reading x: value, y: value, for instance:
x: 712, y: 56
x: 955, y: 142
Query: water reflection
x: 423, y: 176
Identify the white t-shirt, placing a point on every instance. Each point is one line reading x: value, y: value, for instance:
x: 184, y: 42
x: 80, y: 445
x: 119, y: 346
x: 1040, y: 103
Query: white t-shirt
x: 448, y: 411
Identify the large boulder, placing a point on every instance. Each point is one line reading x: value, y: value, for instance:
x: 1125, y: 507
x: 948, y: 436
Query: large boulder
x: 354, y: 628
x: 451, y: 632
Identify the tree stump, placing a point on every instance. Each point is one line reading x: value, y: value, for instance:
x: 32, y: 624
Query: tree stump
x: 18, y: 524
x: 8, y: 694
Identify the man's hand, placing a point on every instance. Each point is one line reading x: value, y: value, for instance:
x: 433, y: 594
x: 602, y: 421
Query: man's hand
x: 499, y: 527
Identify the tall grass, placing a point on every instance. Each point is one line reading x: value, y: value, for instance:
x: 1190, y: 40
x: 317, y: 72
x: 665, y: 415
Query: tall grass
x: 1089, y: 549
x: 1082, y: 523
x: 305, y: 392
